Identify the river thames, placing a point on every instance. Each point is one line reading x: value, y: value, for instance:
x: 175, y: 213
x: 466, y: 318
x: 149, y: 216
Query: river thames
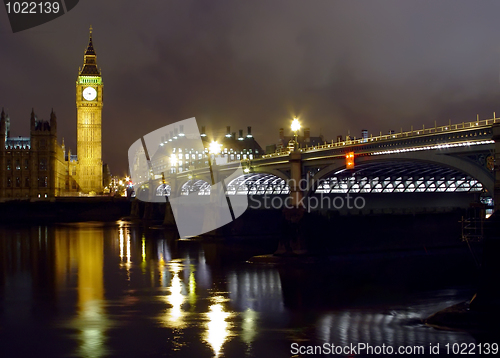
x: 119, y: 290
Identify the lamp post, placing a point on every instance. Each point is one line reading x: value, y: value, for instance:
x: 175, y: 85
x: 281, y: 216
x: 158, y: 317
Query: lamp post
x: 213, y: 149
x: 295, y: 129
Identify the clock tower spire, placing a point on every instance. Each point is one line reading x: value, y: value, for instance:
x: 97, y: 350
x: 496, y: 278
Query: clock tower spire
x: 89, y: 105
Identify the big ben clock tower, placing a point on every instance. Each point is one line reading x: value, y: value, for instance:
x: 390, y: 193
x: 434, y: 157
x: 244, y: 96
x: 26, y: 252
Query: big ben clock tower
x: 89, y: 108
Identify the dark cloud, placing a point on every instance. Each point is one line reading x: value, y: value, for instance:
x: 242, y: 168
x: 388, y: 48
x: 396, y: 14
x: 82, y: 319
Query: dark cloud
x: 340, y: 65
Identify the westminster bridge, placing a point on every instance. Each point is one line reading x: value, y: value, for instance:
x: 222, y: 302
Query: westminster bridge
x: 453, y: 158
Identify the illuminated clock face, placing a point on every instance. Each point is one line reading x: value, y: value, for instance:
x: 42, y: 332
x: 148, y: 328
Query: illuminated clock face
x: 89, y: 93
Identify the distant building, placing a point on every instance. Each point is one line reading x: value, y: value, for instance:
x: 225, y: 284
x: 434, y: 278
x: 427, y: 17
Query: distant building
x: 38, y: 167
x: 364, y: 134
x: 303, y: 140
x: 233, y: 148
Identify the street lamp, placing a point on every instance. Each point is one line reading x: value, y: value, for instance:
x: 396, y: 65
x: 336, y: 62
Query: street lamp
x: 295, y: 129
x: 214, y: 148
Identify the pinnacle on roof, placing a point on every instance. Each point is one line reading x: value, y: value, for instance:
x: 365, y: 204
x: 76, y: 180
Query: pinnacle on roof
x: 89, y: 60
x: 90, y: 48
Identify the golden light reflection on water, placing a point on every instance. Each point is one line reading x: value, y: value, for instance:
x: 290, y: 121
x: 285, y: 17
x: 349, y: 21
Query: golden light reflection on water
x: 192, y: 289
x: 174, y: 315
x: 125, y: 256
x: 218, y: 328
x: 249, y: 326
x: 81, y: 249
x: 176, y: 298
x: 143, y: 251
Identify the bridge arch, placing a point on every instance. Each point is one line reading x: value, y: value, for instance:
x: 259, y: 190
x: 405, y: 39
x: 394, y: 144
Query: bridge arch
x: 199, y: 186
x: 455, y: 166
x: 163, y: 190
x: 257, y: 184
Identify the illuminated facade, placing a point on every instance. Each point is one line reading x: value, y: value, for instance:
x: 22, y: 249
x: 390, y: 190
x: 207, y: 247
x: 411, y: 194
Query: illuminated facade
x: 89, y: 109
x: 38, y: 167
x: 32, y: 167
x: 170, y: 158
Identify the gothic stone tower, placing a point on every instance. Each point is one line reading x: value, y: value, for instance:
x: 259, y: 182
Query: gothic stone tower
x: 89, y: 108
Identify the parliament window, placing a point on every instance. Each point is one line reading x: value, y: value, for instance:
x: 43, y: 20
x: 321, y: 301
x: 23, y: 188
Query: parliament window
x: 9, y: 163
x: 18, y: 182
x: 9, y: 182
x: 18, y: 164
x: 43, y: 164
x: 26, y: 164
x: 42, y: 182
x: 26, y: 182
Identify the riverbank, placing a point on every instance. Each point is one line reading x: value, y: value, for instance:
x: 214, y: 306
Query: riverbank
x: 65, y: 209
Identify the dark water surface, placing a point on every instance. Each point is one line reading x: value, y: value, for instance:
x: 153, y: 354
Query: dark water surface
x: 95, y: 290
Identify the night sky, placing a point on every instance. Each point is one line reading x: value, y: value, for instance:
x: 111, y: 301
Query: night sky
x: 338, y: 65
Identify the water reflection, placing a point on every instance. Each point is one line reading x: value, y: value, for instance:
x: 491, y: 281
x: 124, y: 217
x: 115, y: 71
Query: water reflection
x: 218, y: 327
x: 249, y: 326
x: 394, y: 328
x: 257, y: 289
x: 80, y: 252
x: 93, y: 287
x: 175, y: 314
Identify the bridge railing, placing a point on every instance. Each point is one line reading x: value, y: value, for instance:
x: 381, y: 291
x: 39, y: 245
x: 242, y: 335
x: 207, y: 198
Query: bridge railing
x: 413, y: 133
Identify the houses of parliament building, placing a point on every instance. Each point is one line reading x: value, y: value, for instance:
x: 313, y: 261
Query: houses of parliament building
x: 38, y: 167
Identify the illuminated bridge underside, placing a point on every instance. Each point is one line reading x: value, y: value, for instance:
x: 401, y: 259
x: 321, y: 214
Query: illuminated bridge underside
x: 163, y: 190
x: 403, y: 177
x: 257, y: 184
x: 201, y: 187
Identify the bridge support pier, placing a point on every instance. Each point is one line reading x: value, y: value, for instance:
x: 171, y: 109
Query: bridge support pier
x: 487, y: 296
x: 169, y: 219
x: 293, y: 234
x: 135, y: 211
